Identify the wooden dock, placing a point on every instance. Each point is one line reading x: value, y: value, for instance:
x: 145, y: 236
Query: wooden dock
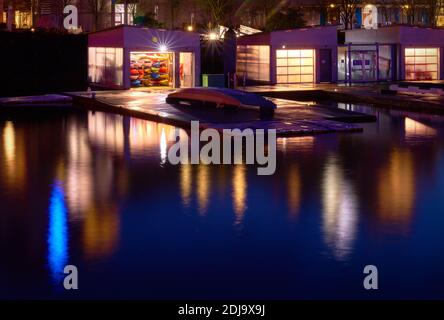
x: 291, y: 118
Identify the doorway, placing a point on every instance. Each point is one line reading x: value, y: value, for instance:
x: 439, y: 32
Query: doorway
x: 363, y: 65
x: 326, y: 65
x: 186, y: 68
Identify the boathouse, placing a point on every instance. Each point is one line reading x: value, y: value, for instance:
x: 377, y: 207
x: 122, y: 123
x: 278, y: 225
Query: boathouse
x: 303, y: 55
x: 126, y: 57
x: 392, y: 53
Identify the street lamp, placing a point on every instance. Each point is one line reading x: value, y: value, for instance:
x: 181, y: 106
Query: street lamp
x: 212, y: 36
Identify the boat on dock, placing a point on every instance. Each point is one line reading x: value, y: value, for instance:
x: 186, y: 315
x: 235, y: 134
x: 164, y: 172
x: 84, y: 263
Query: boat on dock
x: 222, y: 98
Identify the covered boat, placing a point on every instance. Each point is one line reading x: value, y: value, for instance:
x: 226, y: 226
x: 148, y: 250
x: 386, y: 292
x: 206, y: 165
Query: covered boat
x: 222, y: 98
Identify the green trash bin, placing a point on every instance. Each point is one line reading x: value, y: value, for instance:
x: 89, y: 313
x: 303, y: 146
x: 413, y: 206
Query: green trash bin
x: 213, y: 80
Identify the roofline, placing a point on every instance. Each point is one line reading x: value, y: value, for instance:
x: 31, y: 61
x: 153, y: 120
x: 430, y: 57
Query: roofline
x: 121, y: 26
x: 264, y: 33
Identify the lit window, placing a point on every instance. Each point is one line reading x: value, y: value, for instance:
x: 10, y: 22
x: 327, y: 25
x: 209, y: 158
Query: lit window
x: 295, y: 66
x: 254, y: 62
x: 421, y: 63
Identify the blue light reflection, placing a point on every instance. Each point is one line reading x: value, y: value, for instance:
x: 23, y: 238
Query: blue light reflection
x: 57, y: 233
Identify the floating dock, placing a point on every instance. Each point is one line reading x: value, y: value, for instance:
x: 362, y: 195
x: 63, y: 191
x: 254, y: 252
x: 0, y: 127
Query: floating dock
x: 291, y: 118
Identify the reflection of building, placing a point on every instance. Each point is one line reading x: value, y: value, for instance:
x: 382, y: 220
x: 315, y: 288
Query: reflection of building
x: 296, y: 144
x: 340, y: 211
x: 88, y: 191
x: 101, y: 231
x: 203, y: 188
x: 396, y: 189
x: 13, y: 155
x: 79, y: 177
x: 415, y: 129
x: 294, y: 190
x: 239, y: 192
x: 125, y: 136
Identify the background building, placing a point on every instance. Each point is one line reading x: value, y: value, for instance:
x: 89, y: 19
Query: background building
x: 266, y: 15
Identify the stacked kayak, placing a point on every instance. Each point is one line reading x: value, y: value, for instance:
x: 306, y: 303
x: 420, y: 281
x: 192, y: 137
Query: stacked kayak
x: 150, y: 70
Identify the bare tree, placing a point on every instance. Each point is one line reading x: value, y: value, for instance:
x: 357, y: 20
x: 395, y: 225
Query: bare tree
x: 174, y: 5
x: 409, y: 8
x: 97, y: 8
x: 434, y: 8
x: 221, y: 11
x: 266, y: 9
x: 347, y: 10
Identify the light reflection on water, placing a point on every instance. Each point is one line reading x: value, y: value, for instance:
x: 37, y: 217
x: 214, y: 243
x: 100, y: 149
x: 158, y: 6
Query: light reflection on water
x: 239, y: 193
x: 396, y: 190
x: 340, y: 210
x: 203, y: 187
x: 57, y: 233
x: 112, y: 191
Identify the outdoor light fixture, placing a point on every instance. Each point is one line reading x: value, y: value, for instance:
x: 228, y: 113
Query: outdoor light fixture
x: 190, y: 28
x: 284, y: 46
x: 212, y: 36
x: 332, y: 5
x: 163, y: 48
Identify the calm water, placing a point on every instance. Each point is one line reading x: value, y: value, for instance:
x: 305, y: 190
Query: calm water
x: 95, y: 190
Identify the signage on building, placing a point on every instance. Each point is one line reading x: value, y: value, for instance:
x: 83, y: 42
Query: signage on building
x: 370, y: 17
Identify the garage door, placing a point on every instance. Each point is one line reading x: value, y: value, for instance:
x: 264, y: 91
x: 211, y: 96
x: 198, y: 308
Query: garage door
x: 421, y: 63
x: 295, y: 66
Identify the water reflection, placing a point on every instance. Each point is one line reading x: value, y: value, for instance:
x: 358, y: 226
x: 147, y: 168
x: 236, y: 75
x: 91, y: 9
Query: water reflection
x: 296, y: 144
x: 106, y: 131
x: 14, y: 156
x: 134, y: 138
x: 79, y: 172
x: 163, y: 147
x: 339, y: 205
x: 9, y: 141
x: 396, y: 189
x: 203, y: 188
x: 239, y: 193
x: 87, y: 197
x: 415, y: 130
x: 185, y: 183
x: 101, y: 231
x: 293, y: 190
x: 147, y: 138
x: 57, y: 233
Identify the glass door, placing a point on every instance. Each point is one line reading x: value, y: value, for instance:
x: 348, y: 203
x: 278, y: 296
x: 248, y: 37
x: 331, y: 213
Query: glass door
x: 186, y: 70
x: 363, y: 66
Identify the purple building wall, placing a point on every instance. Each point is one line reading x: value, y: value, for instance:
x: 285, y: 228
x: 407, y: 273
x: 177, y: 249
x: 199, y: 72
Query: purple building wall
x: 132, y: 38
x: 403, y: 37
x: 317, y: 38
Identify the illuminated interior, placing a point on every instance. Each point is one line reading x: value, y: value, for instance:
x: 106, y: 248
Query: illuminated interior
x: 23, y: 19
x: 151, y: 69
x: 105, y: 65
x: 421, y: 63
x: 295, y: 66
x: 254, y: 62
x: 186, y: 69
